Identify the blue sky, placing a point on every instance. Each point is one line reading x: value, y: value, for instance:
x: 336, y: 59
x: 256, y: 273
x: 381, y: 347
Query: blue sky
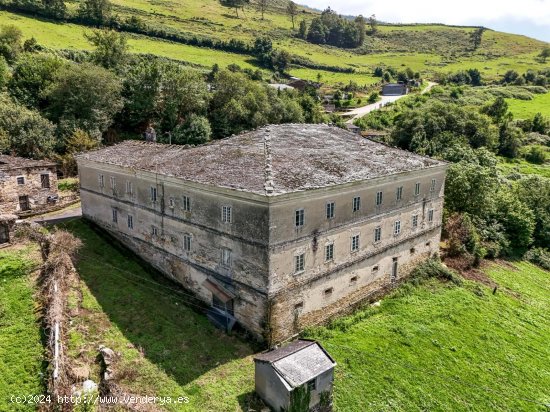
x: 528, y: 17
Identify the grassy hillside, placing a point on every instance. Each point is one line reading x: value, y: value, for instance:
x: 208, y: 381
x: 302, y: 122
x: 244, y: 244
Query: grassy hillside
x: 424, y: 48
x: 526, y: 109
x: 21, y: 350
x: 429, y: 346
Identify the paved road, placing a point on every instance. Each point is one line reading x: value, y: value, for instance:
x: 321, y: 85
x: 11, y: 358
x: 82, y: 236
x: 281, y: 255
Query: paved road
x: 58, y: 217
x: 363, y: 110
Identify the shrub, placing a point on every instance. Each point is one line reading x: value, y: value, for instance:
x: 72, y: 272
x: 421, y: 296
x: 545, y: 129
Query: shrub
x: 536, y: 155
x: 433, y: 268
x: 539, y: 256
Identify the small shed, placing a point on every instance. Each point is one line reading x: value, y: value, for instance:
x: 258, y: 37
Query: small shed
x: 299, y: 372
x: 354, y: 129
x: 7, y: 224
x: 394, y: 89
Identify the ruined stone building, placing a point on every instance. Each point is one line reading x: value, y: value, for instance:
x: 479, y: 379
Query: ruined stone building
x: 26, y: 184
x: 277, y: 228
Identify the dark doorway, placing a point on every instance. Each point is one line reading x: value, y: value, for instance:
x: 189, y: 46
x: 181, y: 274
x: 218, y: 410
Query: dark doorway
x: 394, y: 270
x: 4, y: 233
x: 24, y: 203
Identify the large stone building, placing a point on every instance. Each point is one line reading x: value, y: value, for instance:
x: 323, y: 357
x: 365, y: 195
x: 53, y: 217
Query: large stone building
x: 26, y: 184
x: 280, y: 228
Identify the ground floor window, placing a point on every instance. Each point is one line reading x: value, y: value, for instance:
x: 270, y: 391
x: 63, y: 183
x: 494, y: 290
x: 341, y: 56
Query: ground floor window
x: 24, y: 203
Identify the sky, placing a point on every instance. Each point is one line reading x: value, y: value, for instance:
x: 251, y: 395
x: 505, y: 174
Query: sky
x: 528, y: 17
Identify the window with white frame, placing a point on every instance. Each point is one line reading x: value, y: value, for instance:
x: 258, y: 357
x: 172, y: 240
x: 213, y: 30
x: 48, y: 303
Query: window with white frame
x: 356, y: 203
x: 432, y: 186
x: 20, y: 180
x: 355, y: 243
x: 226, y: 214
x: 378, y: 198
x: 115, y: 215
x: 186, y: 203
x: 299, y: 263
x: 226, y: 257
x: 415, y: 221
x: 397, y: 227
x: 113, y: 182
x: 187, y: 243
x: 377, y: 234
x: 417, y: 189
x: 299, y: 221
x: 399, y: 193
x: 101, y: 180
x: 153, y: 194
x: 329, y: 252
x: 130, y: 222
x: 330, y: 210
x: 430, y: 215
x: 129, y: 187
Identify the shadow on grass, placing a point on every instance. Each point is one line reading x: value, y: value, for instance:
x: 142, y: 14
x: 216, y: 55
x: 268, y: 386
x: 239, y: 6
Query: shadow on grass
x: 158, y: 317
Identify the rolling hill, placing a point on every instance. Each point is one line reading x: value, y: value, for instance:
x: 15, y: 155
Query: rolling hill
x: 425, y: 48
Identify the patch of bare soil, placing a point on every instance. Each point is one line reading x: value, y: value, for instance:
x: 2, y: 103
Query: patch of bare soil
x: 476, y: 274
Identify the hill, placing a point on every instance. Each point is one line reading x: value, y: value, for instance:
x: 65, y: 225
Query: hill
x: 425, y: 48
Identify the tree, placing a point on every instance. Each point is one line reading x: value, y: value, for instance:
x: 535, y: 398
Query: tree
x: 540, y: 124
x: 4, y: 73
x: 95, y: 11
x: 78, y: 142
x: 510, y: 76
x: 10, y: 42
x: 235, y: 4
x: 24, y: 132
x: 544, y: 54
x: 280, y: 60
x: 317, y: 32
x: 195, y: 130
x: 111, y: 48
x: 475, y: 77
x: 476, y: 37
x: 263, y: 48
x: 302, y: 30
x: 534, y: 191
x: 360, y: 26
x: 262, y: 6
x: 292, y: 11
x: 373, y: 23
x: 510, y: 138
x: 86, y: 97
x: 31, y: 78
x: 55, y: 8
x: 497, y: 110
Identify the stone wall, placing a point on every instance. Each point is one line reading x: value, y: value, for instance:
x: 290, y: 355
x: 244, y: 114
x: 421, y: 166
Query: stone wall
x: 10, y: 189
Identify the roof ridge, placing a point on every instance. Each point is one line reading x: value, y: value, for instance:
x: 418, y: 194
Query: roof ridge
x: 268, y: 184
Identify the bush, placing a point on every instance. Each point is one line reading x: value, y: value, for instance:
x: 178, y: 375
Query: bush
x: 536, y: 155
x: 433, y: 268
x: 539, y: 256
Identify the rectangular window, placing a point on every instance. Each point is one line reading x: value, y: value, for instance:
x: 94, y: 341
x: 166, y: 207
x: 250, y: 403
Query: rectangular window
x: 187, y: 243
x: 153, y: 194
x: 415, y: 221
x: 399, y: 193
x: 45, y: 181
x: 130, y: 222
x: 115, y: 216
x: 171, y: 203
x: 129, y: 188
x: 375, y: 269
x: 432, y: 186
x: 353, y: 280
x: 186, y: 205
x: 226, y: 257
x: 101, y: 180
x: 417, y: 189
x: 226, y: 214
x: 20, y: 180
x: 312, y: 385
x: 329, y: 252
x: 113, y: 182
x: 154, y: 230
x: 330, y: 210
x: 299, y: 262
x: 355, y: 243
x: 356, y: 203
x: 300, y: 218
x: 378, y: 198
x: 430, y: 215
x: 329, y: 291
x: 397, y: 227
x: 377, y: 234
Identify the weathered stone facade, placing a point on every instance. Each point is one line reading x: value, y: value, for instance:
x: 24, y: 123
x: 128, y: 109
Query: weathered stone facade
x: 283, y: 227
x: 25, y: 184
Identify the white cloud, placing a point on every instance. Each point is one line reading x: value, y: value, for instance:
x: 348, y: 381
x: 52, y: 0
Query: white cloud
x: 467, y: 12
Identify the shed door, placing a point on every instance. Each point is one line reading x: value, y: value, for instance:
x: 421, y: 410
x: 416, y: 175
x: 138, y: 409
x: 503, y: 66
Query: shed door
x: 4, y: 234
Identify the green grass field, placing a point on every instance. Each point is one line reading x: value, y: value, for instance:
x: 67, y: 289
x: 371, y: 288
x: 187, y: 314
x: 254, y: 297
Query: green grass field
x: 21, y: 350
x: 433, y: 346
x: 527, y: 109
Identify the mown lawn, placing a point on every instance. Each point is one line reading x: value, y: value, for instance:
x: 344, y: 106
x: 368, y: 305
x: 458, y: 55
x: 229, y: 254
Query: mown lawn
x: 442, y: 347
x: 431, y: 346
x: 21, y: 350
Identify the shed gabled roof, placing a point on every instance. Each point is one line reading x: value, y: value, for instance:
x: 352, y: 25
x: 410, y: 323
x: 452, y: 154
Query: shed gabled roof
x: 14, y: 162
x: 271, y: 160
x: 298, y: 362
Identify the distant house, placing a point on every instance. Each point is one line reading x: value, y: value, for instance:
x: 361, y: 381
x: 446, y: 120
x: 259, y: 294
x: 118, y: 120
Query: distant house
x: 297, y: 83
x: 26, y: 184
x: 301, y: 367
x: 281, y: 86
x: 329, y: 108
x: 394, y: 89
x: 354, y: 129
